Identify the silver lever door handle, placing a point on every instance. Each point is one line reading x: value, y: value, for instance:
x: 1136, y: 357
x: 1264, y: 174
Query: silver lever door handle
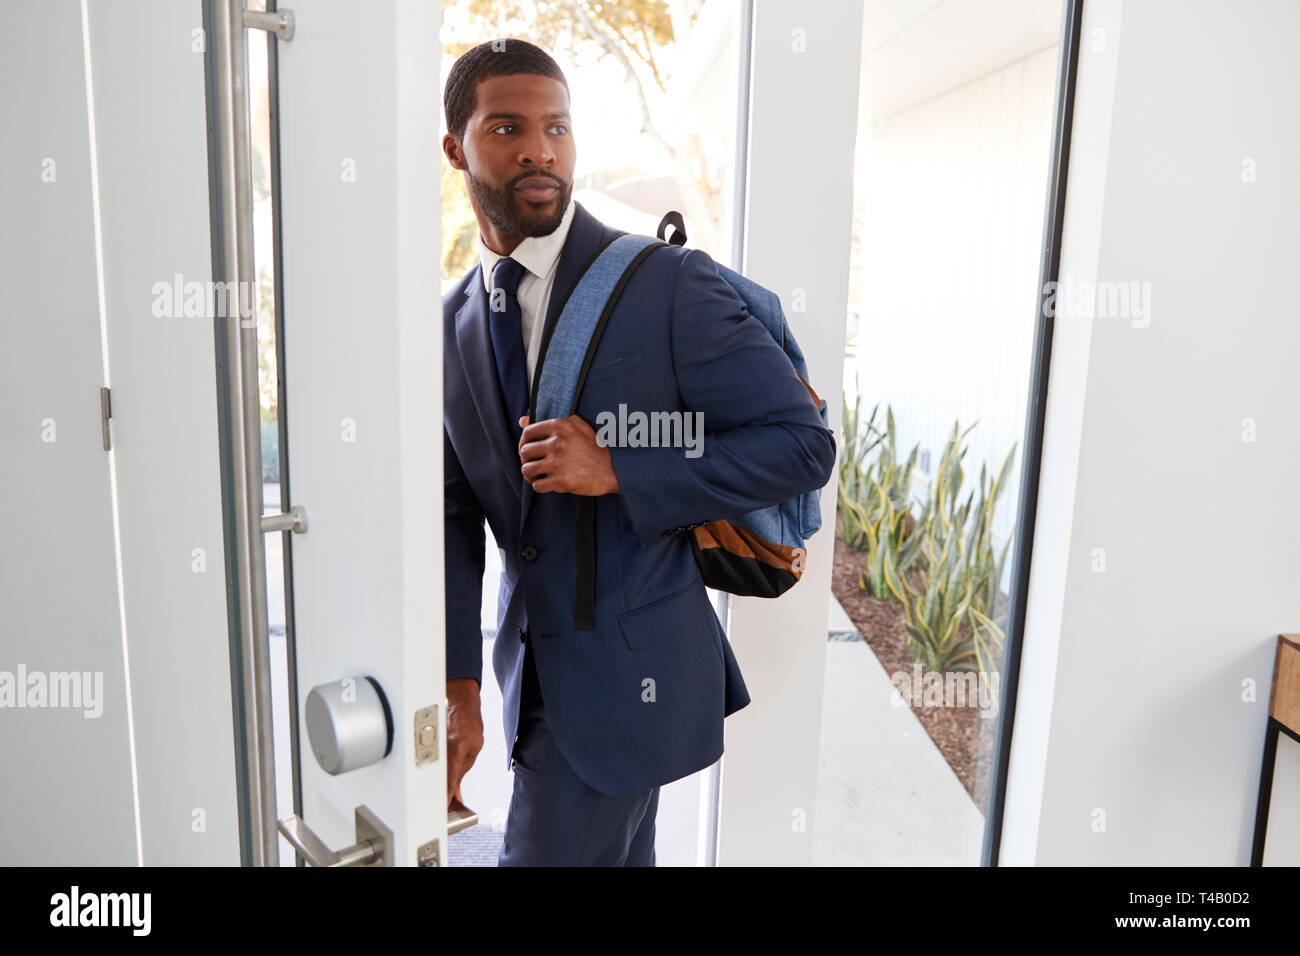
x: 374, y: 846
x: 459, y: 817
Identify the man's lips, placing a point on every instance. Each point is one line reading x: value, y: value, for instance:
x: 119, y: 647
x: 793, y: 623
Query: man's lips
x: 538, y: 190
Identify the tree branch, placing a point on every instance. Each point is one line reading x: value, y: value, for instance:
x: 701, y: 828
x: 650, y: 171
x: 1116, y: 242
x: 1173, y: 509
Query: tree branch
x: 613, y: 48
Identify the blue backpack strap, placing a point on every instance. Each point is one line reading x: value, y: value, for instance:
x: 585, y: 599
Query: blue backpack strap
x: 565, y: 359
x: 577, y: 331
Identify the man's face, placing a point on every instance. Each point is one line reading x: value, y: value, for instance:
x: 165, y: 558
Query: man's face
x: 519, y: 154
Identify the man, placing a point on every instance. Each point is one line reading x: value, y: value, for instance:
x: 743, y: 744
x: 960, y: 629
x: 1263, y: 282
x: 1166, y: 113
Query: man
x: 595, y: 720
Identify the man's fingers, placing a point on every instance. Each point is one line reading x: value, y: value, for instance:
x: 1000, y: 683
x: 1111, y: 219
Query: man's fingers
x: 537, y: 467
x: 539, y: 430
x: 536, y: 449
x: 531, y: 432
x: 458, y: 766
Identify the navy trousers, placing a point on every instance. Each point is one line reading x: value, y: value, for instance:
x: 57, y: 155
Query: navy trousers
x: 555, y: 819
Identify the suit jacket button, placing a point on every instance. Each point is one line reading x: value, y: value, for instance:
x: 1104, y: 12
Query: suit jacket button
x: 529, y: 553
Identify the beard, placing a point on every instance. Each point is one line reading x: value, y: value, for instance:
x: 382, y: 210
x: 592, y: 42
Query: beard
x: 513, y: 214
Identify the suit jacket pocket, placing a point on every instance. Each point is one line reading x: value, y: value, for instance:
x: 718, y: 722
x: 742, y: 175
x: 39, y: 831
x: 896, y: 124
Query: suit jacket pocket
x: 671, y: 616
x: 615, y: 367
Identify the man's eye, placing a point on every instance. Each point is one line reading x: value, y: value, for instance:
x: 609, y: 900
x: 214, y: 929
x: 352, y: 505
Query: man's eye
x: 511, y: 127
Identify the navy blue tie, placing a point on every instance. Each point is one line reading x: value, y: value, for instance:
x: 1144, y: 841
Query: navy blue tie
x: 508, y: 340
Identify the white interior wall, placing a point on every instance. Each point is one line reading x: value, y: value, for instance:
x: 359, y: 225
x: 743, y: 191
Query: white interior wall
x: 59, y: 602
x: 151, y: 142
x: 1133, y: 743
x: 106, y: 194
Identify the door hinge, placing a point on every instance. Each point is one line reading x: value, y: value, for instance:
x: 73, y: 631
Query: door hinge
x: 105, y: 414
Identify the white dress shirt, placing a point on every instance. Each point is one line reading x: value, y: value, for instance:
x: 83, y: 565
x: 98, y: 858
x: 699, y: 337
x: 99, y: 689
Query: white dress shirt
x: 540, y: 257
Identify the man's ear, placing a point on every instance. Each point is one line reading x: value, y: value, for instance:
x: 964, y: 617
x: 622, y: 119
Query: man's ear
x: 452, y: 150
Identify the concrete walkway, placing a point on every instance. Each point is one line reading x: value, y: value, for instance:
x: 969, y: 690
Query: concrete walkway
x: 885, y: 794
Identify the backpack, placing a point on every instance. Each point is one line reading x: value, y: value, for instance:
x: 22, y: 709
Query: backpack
x: 759, y: 554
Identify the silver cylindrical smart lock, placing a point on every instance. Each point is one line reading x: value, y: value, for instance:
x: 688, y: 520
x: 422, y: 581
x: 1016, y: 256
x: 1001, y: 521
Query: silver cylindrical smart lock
x: 349, y: 724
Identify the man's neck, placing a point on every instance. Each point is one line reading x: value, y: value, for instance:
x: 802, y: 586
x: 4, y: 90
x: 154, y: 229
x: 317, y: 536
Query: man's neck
x: 501, y: 245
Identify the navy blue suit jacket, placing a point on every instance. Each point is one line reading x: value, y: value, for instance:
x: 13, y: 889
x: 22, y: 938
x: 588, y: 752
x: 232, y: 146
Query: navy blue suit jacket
x: 640, y: 700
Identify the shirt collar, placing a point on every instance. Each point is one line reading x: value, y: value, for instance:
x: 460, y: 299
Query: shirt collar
x: 537, y: 254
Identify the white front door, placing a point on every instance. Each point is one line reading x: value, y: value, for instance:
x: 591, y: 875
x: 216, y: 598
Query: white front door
x: 118, y: 724
x: 359, y: 218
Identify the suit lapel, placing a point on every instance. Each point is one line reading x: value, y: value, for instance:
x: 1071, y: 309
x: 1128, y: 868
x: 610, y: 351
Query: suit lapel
x: 479, y: 364
x: 587, y: 236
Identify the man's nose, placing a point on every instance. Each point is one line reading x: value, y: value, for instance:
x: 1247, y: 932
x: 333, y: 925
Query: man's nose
x: 535, y: 150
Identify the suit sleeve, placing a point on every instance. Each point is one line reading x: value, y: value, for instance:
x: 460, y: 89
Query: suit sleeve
x: 764, y: 441
x: 463, y: 562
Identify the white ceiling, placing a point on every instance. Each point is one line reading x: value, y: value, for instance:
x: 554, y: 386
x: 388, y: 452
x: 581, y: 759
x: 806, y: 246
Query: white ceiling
x: 915, y: 49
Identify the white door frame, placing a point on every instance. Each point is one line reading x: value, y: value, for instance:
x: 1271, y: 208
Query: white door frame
x: 797, y: 228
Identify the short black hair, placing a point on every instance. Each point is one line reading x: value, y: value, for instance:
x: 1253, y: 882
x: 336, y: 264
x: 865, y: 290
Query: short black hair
x: 505, y: 56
